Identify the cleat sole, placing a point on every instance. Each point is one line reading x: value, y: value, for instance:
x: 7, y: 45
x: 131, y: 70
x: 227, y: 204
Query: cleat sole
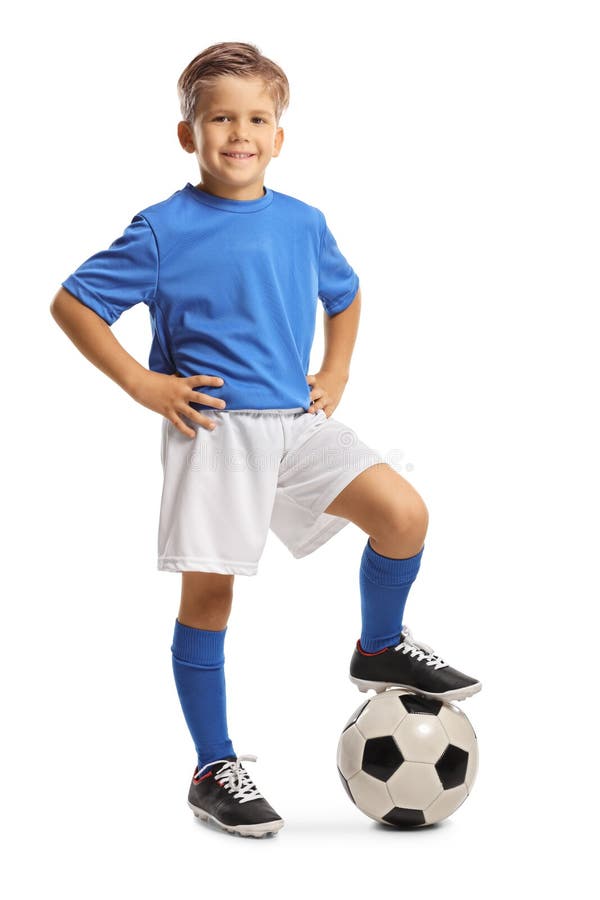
x: 259, y: 830
x: 378, y: 686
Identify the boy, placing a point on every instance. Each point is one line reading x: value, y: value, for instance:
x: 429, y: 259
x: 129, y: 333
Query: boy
x: 231, y: 271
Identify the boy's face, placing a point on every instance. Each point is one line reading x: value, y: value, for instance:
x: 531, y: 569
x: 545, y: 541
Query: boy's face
x: 236, y: 115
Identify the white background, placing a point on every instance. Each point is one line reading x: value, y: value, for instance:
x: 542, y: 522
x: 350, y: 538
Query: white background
x: 454, y: 149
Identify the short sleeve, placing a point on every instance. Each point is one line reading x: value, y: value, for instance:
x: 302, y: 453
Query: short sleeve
x: 115, y: 279
x: 338, y: 282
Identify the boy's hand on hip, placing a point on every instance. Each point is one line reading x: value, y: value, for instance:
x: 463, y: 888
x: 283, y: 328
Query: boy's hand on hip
x: 171, y: 395
x: 327, y: 389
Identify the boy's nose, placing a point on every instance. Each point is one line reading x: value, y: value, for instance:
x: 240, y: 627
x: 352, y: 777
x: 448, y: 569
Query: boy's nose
x: 238, y: 131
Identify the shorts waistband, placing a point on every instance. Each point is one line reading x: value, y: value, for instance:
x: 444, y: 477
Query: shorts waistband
x: 295, y: 409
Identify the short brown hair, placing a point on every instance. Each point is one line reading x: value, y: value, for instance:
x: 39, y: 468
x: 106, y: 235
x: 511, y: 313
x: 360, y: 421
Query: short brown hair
x: 230, y: 58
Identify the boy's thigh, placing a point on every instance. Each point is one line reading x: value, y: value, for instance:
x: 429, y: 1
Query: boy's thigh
x: 218, y: 493
x: 323, y: 456
x: 378, y: 498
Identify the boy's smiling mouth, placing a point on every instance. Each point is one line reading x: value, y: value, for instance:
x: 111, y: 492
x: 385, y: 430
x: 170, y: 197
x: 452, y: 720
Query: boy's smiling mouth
x: 233, y: 155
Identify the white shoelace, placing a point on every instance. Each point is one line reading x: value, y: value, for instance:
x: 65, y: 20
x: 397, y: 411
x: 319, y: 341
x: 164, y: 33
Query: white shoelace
x: 422, y: 651
x: 234, y: 778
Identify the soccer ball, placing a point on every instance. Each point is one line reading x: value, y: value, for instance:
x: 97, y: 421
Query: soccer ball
x: 405, y: 759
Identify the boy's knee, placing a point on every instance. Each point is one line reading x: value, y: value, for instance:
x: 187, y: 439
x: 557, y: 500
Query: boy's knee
x: 206, y: 599
x: 411, y: 519
x: 422, y: 514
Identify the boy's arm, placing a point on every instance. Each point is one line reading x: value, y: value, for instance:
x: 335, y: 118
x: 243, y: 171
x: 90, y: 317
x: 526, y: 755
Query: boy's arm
x: 93, y: 337
x: 340, y: 337
x: 328, y: 385
x: 169, y: 395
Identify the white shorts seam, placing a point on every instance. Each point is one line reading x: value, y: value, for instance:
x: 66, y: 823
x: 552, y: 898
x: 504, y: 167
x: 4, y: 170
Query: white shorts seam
x: 163, y: 561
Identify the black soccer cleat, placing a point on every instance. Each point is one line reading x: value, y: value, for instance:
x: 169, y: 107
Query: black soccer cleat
x: 223, y: 792
x: 413, y: 666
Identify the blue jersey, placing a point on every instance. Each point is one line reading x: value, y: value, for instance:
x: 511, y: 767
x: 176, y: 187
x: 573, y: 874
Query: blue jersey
x: 231, y: 287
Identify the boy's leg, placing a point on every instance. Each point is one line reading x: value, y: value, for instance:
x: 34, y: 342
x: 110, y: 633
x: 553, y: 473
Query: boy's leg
x: 388, y: 508
x: 395, y: 517
x: 199, y: 660
x: 206, y: 599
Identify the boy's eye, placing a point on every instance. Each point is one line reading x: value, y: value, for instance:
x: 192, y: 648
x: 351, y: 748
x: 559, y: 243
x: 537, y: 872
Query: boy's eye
x: 254, y: 119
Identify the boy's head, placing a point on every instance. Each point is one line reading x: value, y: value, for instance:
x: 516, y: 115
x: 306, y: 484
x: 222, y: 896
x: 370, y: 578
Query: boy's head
x: 231, y: 99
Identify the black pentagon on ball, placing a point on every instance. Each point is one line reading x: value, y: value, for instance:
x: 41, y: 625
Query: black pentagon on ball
x: 413, y: 703
x: 381, y: 757
x: 398, y: 816
x: 452, y: 766
x: 345, y: 783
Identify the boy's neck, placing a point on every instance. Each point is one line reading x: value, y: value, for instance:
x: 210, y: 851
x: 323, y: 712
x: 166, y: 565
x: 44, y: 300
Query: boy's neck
x: 243, y: 193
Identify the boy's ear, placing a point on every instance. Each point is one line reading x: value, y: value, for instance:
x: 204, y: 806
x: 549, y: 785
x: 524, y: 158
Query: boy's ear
x: 278, y: 141
x: 186, y: 139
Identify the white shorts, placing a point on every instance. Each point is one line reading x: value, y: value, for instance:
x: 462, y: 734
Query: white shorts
x: 258, y: 469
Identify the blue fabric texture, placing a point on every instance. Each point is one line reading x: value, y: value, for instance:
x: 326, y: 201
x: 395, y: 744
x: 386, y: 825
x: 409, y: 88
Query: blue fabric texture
x: 384, y: 587
x: 231, y: 287
x: 199, y: 670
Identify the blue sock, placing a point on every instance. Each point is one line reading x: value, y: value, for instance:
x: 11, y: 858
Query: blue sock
x: 199, y: 669
x: 384, y: 586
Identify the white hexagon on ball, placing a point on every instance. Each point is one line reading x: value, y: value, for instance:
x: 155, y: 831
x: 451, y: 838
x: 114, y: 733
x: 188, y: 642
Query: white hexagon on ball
x: 375, y: 799
x: 421, y: 738
x: 383, y: 713
x: 350, y: 752
x: 445, y: 804
x: 414, y: 785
